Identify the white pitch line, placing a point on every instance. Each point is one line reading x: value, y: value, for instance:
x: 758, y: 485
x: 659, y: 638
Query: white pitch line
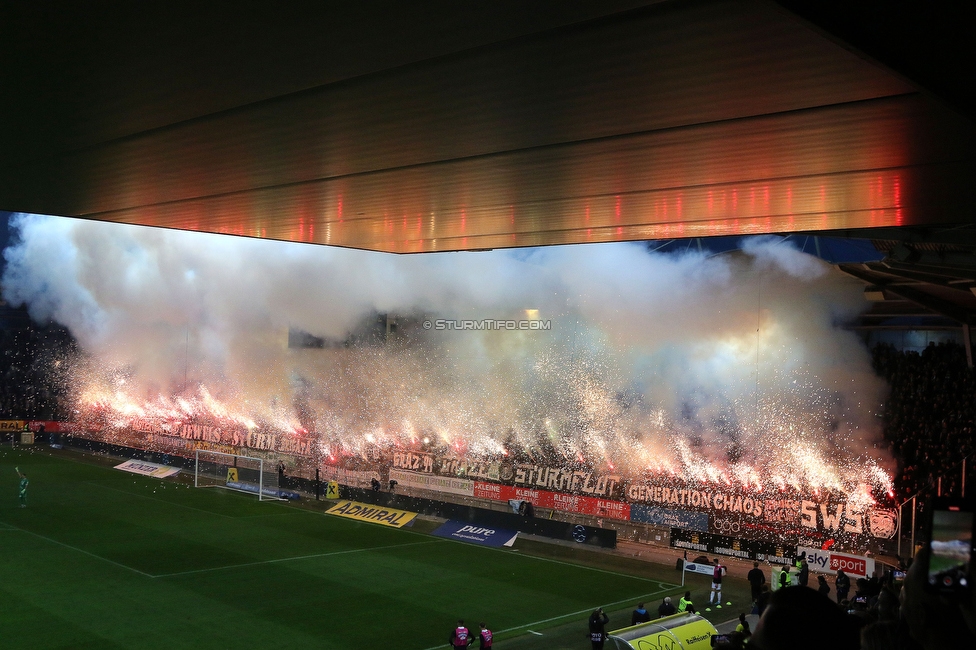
x: 291, y: 559
x: 83, y: 551
x: 577, y: 566
x: 571, y: 614
x: 169, y: 503
x: 589, y: 568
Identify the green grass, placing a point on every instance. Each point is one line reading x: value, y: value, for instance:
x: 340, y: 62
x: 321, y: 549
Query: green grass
x: 105, y: 559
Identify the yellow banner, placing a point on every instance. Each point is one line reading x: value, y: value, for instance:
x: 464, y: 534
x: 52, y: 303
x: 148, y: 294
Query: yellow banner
x: 374, y: 514
x: 11, y: 425
x: 332, y: 490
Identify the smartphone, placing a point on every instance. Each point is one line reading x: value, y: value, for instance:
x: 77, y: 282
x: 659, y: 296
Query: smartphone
x: 721, y: 640
x: 951, y: 546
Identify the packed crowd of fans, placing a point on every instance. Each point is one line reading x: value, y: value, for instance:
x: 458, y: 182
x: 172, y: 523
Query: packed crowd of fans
x: 31, y: 358
x: 929, y: 416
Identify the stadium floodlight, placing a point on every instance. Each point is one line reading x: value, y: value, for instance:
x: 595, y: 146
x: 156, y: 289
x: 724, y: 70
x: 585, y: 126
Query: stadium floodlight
x: 233, y: 472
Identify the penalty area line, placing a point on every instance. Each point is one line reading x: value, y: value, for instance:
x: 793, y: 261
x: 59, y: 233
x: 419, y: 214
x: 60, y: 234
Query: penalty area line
x: 591, y: 568
x: 585, y: 567
x: 291, y: 559
x: 158, y: 500
x: 83, y: 551
x: 570, y: 615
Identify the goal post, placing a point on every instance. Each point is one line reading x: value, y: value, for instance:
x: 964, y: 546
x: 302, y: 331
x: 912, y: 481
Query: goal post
x: 234, y: 472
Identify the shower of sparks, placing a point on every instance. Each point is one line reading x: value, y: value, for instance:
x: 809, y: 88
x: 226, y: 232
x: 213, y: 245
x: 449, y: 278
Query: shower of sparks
x: 560, y: 411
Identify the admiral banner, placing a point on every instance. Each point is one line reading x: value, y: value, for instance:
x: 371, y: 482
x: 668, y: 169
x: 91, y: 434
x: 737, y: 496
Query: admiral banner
x: 372, y: 514
x: 7, y: 426
x: 148, y: 469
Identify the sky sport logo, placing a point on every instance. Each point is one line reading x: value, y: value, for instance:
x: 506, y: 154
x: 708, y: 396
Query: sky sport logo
x: 488, y: 324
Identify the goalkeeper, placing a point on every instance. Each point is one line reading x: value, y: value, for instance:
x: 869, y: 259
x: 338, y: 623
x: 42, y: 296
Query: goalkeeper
x: 23, y: 487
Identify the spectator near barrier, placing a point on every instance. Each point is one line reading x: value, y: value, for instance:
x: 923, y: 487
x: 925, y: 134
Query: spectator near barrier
x: 842, y: 584
x: 666, y: 608
x: 756, y: 579
x: 641, y: 615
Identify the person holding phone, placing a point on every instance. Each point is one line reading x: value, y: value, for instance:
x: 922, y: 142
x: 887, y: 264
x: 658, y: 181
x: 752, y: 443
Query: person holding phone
x: 597, y: 624
x: 938, y: 596
x: 937, y: 621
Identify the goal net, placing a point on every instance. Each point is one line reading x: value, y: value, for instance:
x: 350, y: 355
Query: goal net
x: 233, y: 472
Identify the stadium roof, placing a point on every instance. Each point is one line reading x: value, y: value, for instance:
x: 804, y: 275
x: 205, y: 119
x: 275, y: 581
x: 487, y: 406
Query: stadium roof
x: 443, y: 126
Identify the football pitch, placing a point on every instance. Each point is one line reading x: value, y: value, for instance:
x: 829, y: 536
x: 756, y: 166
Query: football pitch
x: 102, y: 558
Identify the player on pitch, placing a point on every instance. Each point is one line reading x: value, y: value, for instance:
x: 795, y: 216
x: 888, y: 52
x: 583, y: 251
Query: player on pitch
x: 23, y: 487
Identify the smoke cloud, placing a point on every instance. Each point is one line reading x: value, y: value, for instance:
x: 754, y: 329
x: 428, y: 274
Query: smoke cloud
x: 685, y: 363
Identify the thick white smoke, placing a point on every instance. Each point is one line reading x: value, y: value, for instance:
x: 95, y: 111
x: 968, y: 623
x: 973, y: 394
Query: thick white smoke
x: 652, y: 360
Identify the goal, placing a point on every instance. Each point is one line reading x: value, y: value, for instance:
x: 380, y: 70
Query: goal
x: 239, y: 473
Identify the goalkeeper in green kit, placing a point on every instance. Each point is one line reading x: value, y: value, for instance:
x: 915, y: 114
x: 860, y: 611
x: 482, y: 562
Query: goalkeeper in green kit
x: 23, y: 487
